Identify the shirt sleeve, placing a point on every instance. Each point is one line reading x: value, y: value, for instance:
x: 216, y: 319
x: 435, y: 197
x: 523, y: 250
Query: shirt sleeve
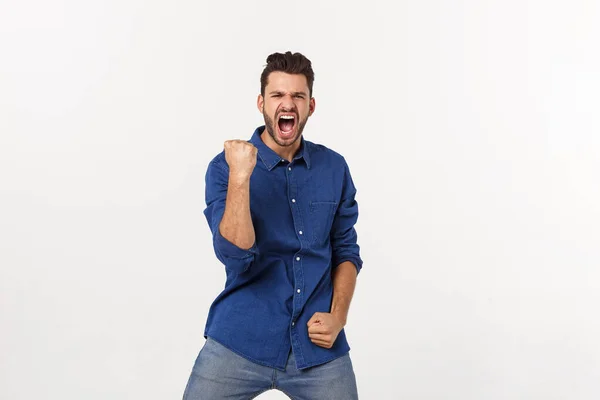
x: 233, y: 257
x: 343, y: 234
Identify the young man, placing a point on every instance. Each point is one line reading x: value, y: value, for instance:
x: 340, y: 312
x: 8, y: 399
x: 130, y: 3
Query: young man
x: 282, y: 212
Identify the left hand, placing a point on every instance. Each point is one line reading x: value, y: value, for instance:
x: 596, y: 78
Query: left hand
x: 323, y: 329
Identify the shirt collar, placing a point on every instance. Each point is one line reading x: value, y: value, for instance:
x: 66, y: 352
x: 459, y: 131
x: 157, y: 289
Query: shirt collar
x: 269, y: 157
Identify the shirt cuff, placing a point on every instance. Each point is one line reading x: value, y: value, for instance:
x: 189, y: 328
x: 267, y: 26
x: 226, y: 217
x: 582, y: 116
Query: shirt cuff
x: 357, y: 261
x: 230, y: 250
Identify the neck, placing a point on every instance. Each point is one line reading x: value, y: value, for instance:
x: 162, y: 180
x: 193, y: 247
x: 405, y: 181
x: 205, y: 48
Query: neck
x: 285, y: 152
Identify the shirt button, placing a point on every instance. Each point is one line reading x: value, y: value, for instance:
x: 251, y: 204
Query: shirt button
x: 300, y: 232
x: 293, y: 200
x: 298, y: 290
x: 297, y: 258
x: 289, y: 168
x: 293, y: 323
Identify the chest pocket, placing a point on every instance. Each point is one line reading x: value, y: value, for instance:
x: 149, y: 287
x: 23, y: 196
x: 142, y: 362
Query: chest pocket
x: 321, y: 217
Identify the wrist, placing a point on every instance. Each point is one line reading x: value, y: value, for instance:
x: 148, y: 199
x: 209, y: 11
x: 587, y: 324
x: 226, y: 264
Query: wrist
x: 239, y: 177
x: 340, y: 317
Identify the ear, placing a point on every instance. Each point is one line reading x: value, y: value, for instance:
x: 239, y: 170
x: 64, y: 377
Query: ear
x: 260, y: 102
x: 311, y: 106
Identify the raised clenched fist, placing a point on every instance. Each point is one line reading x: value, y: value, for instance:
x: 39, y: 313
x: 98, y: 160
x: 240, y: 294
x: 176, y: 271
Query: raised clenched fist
x: 241, y: 157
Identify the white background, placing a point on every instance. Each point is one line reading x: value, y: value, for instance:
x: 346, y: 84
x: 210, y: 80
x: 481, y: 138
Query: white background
x: 472, y: 133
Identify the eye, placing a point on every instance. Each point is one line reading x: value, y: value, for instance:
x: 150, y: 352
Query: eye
x: 299, y: 96
x: 276, y: 95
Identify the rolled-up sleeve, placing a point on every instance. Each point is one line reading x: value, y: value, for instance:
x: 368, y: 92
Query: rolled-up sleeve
x: 233, y: 257
x: 343, y: 234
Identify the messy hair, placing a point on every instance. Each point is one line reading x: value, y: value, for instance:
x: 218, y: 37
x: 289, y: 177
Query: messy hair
x: 290, y: 63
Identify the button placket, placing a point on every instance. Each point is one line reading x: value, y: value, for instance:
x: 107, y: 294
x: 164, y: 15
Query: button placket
x: 296, y: 264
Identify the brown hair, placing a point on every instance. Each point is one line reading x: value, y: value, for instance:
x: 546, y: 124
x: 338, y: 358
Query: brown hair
x: 295, y: 63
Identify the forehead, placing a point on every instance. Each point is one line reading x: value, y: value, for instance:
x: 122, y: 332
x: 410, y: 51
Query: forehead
x: 282, y: 81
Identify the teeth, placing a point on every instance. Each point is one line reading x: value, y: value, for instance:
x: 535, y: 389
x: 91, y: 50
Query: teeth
x: 287, y: 117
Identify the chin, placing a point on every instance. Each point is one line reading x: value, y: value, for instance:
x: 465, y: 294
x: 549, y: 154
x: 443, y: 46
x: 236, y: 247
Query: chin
x: 286, y: 139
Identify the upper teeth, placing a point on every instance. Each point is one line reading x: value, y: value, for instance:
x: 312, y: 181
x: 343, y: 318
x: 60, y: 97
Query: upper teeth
x: 287, y: 117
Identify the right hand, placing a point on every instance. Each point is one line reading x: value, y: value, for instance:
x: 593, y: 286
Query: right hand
x: 241, y: 157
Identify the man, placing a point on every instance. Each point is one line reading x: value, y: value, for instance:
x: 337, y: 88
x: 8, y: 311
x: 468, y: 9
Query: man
x: 282, y: 212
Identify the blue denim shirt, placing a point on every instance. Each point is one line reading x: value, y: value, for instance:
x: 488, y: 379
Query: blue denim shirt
x: 303, y: 213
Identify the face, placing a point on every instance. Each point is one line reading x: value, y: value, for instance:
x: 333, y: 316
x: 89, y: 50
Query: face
x: 286, y: 107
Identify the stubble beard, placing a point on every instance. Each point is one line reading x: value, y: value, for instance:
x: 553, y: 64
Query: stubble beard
x: 270, y: 126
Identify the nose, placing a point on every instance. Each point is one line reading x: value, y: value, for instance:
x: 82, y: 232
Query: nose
x: 287, y: 103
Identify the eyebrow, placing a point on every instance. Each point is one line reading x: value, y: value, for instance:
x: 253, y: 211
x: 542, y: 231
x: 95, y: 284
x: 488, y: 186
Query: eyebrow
x: 293, y: 93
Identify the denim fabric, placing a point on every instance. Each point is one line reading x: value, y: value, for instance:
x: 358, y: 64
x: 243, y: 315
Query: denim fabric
x: 220, y: 373
x: 303, y: 213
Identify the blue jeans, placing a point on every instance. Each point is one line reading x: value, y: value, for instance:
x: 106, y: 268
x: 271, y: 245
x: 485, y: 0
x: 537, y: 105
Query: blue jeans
x: 219, y: 373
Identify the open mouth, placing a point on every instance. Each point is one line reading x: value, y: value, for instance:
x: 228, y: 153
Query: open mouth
x: 286, y: 124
